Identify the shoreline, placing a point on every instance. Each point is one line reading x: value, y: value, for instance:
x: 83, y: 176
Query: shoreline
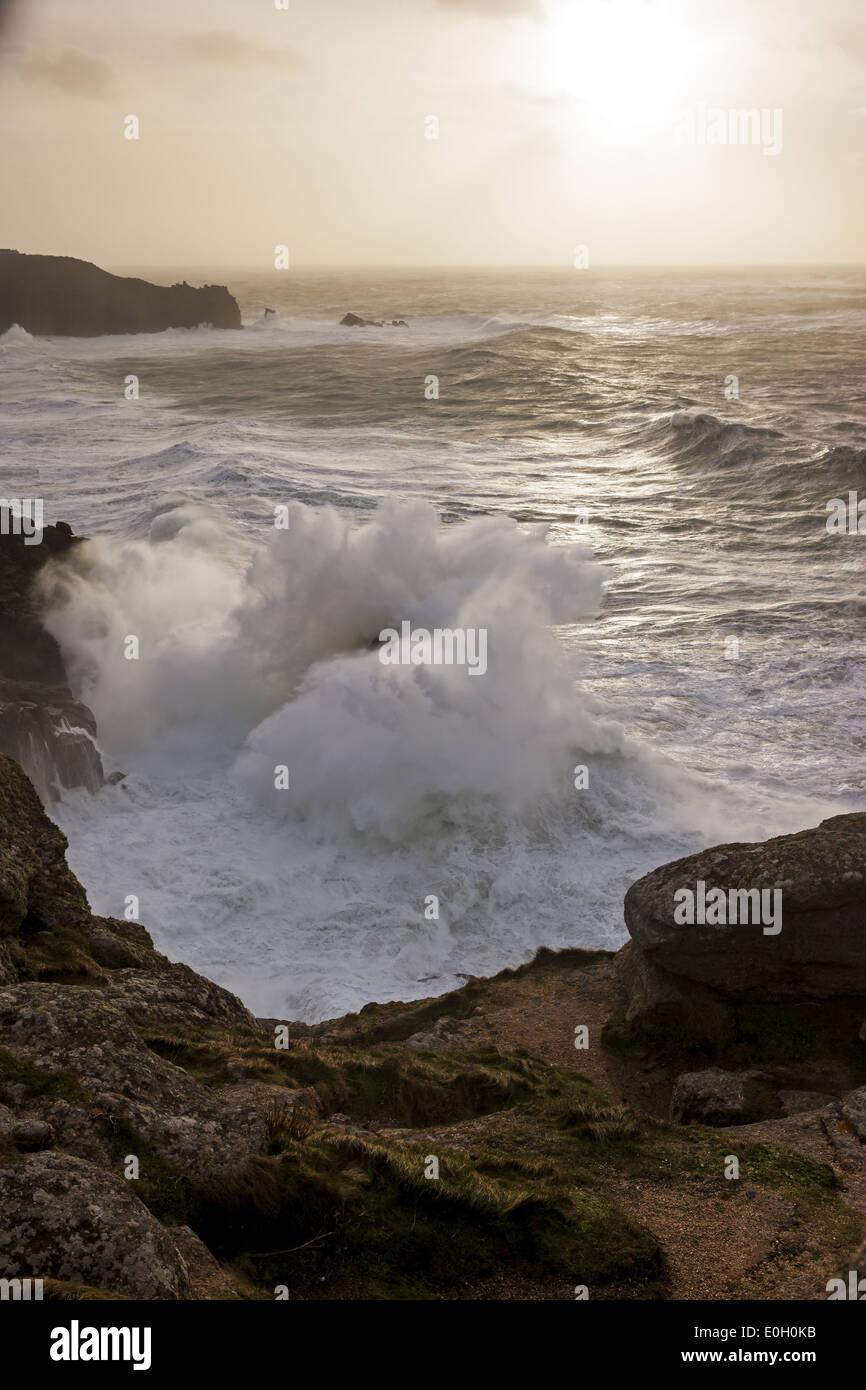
x: 570, y: 1121
x: 558, y: 1157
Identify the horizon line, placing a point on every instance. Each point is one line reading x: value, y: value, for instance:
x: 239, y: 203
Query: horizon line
x: 483, y: 265
x: 240, y: 267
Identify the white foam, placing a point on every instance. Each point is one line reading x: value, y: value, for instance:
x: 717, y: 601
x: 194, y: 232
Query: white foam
x: 405, y: 782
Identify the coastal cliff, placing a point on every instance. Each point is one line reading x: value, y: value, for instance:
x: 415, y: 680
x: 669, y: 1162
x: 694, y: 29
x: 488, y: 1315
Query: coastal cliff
x: 58, y: 295
x: 456, y: 1147
x: 568, y: 1124
x: 42, y: 725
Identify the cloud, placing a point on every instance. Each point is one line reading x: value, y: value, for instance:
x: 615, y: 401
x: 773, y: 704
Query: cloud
x: 72, y: 72
x: 496, y: 9
x: 520, y: 92
x: 223, y: 46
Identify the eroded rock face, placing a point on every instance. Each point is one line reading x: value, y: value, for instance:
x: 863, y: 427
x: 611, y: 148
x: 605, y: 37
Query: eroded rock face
x: 59, y: 295
x: 37, y: 891
x: 85, y: 1032
x: 50, y: 734
x: 819, y: 952
x: 84, y: 1085
x: 87, y: 1008
x: 63, y: 1218
x: 42, y: 726
x: 168, y: 995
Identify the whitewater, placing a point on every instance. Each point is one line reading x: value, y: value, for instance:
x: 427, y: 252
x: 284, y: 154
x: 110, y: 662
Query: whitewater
x: 645, y: 548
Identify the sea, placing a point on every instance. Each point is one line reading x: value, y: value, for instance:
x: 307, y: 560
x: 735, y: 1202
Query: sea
x: 626, y: 479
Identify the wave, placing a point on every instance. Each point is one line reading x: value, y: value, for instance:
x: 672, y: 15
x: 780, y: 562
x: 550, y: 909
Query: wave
x: 703, y: 438
x: 230, y: 632
x: 16, y: 336
x: 258, y: 655
x: 403, y: 781
x: 846, y: 460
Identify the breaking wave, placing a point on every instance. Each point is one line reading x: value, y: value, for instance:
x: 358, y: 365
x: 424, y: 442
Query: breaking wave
x: 403, y: 779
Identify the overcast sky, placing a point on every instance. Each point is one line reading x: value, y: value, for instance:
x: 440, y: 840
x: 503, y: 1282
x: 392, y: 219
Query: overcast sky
x: 561, y: 123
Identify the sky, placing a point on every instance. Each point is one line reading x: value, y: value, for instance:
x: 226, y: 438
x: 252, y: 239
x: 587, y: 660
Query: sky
x: 434, y: 132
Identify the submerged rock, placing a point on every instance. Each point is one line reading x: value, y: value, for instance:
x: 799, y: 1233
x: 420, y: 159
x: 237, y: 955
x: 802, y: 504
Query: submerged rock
x: 59, y: 295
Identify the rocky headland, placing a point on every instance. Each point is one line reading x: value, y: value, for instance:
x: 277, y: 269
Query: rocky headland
x: 569, y: 1123
x: 59, y: 295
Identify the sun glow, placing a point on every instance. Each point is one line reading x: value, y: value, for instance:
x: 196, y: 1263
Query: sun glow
x: 622, y: 65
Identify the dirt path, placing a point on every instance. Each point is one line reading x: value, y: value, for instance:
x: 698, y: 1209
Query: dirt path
x: 720, y: 1239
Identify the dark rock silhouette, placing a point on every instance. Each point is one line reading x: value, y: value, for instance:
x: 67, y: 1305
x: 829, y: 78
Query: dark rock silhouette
x: 42, y: 725
x: 355, y: 321
x: 58, y: 295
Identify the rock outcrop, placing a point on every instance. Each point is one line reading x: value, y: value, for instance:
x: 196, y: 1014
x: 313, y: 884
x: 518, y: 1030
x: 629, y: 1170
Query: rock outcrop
x: 356, y: 321
x: 42, y: 725
x: 693, y: 976
x: 59, y: 295
x: 37, y: 891
x: 83, y: 1087
x: 76, y: 1223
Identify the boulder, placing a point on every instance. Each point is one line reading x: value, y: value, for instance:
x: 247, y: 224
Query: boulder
x: 31, y: 1135
x: 445, y: 1033
x: 713, y: 1097
x: 718, y: 1097
x: 171, y: 995
x: 63, y: 1218
x: 671, y: 971
x: 853, y: 1111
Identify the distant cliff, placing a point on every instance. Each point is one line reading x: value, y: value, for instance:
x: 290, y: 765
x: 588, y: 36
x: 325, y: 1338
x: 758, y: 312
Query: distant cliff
x: 62, y: 296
